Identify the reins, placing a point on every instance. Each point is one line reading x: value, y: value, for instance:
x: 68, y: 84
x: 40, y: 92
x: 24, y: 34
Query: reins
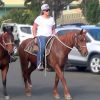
x: 62, y: 42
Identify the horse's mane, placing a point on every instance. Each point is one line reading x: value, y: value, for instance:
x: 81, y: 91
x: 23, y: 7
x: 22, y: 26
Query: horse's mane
x: 69, y: 35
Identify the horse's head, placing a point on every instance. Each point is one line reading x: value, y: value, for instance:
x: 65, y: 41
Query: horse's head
x: 8, y: 39
x: 80, y: 42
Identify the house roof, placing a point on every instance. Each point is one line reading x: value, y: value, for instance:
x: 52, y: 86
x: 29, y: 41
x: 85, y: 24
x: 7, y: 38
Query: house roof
x: 12, y: 3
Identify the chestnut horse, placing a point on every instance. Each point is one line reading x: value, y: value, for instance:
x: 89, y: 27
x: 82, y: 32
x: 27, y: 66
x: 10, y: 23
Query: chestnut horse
x: 60, y: 49
x: 6, y: 48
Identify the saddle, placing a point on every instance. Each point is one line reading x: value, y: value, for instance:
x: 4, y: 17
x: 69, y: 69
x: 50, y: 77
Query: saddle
x: 33, y: 47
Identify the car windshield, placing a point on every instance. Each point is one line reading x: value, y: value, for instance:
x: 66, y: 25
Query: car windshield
x: 95, y: 33
x: 26, y: 30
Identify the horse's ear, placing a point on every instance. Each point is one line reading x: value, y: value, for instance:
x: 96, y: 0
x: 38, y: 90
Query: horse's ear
x: 4, y: 29
x: 81, y: 32
x: 12, y: 29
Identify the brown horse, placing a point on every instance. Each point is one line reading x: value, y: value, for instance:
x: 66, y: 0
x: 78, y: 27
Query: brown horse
x: 6, y: 48
x: 60, y: 49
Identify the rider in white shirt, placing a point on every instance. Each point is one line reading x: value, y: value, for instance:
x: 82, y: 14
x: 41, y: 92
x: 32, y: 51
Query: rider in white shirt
x: 43, y: 27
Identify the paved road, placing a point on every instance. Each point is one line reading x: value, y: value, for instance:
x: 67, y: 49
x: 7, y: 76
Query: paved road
x: 82, y: 85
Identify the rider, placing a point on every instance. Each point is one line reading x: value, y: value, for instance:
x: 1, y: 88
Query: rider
x: 43, y: 27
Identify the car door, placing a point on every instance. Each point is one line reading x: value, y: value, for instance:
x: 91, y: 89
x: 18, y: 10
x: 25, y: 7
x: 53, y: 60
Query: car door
x: 25, y: 33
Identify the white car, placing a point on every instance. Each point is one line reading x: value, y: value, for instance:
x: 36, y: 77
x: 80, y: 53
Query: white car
x: 20, y: 32
x: 92, y: 60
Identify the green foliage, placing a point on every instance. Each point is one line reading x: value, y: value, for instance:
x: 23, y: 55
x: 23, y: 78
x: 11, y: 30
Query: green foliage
x: 20, y: 16
x: 55, y: 5
x: 26, y: 16
x: 91, y: 10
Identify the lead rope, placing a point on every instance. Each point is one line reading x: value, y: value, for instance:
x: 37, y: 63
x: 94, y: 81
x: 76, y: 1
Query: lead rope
x: 45, y: 53
x: 62, y: 42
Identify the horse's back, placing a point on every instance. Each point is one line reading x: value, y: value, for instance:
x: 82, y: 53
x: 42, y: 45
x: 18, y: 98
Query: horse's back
x: 22, y: 46
x: 24, y: 56
x: 25, y: 42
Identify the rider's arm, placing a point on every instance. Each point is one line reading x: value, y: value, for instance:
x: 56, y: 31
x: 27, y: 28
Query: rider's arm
x: 53, y: 30
x: 35, y: 32
x: 35, y: 29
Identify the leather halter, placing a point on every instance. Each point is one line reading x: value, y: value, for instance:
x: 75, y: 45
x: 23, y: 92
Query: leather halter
x: 76, y: 43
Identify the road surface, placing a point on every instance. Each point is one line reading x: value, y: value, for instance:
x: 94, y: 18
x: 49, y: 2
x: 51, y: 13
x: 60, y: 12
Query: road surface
x: 82, y: 85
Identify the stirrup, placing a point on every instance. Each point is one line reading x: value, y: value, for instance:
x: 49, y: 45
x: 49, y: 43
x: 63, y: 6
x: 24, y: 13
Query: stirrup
x: 40, y: 67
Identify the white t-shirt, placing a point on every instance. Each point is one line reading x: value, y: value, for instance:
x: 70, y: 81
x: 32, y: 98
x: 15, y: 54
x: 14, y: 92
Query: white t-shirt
x: 44, y: 26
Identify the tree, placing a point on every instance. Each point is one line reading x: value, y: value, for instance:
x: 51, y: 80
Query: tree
x: 1, y: 3
x: 91, y: 10
x: 21, y: 16
x: 55, y: 5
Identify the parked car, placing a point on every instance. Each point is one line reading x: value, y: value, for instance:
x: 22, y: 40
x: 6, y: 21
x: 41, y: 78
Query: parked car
x: 92, y: 60
x: 20, y: 32
x: 72, y: 24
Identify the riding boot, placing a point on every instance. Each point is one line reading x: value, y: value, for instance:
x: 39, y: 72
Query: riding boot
x: 40, y: 67
x: 12, y: 58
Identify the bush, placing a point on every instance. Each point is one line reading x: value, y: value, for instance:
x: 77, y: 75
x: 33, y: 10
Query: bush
x: 20, y: 16
x: 91, y: 10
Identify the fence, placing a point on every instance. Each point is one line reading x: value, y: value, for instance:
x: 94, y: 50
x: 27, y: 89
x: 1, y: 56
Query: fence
x: 71, y: 18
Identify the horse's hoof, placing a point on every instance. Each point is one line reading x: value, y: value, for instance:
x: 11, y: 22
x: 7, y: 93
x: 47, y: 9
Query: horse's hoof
x: 30, y: 85
x: 68, y: 97
x: 7, y: 97
x: 28, y: 94
x: 56, y: 96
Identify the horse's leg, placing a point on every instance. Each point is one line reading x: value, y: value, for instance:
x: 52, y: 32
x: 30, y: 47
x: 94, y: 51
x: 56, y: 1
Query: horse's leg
x: 24, y: 66
x: 55, y: 90
x: 30, y: 70
x: 4, y: 76
x: 61, y: 77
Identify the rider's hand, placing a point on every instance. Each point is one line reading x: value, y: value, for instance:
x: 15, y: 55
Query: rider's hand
x: 35, y: 40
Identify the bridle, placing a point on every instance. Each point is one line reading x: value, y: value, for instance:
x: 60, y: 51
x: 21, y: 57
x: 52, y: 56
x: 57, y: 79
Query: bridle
x: 4, y: 44
x: 76, y: 37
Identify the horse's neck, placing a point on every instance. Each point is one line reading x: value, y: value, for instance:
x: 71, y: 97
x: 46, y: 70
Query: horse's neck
x: 1, y: 47
x: 68, y: 39
x: 1, y: 42
x: 1, y: 39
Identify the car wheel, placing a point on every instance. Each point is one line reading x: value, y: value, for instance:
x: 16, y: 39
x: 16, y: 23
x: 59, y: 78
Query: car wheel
x: 81, y: 68
x: 94, y: 64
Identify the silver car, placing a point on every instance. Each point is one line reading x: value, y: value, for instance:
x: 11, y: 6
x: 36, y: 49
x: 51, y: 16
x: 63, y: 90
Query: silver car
x: 92, y: 60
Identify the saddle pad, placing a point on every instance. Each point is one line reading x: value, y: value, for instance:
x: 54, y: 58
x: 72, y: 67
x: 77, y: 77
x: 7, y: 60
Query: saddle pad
x: 49, y: 45
x: 32, y: 48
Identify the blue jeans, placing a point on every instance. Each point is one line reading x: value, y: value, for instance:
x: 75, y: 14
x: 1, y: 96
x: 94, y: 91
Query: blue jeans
x: 41, y: 43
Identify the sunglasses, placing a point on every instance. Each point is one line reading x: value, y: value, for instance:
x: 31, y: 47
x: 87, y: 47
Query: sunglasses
x: 47, y: 10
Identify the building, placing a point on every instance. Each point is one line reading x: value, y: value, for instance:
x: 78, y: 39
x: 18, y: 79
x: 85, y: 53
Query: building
x: 10, y: 4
